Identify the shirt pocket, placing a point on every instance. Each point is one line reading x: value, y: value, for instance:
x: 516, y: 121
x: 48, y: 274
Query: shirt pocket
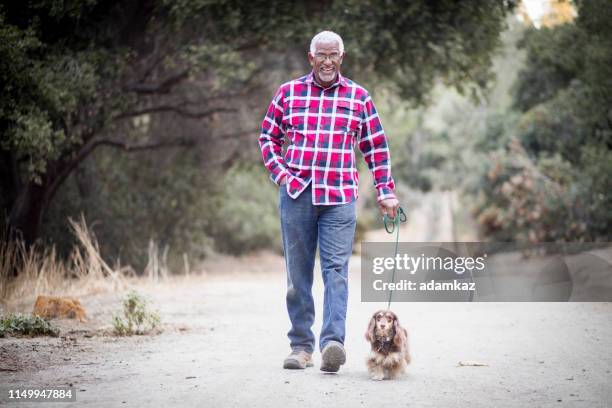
x: 296, y: 114
x: 347, y: 117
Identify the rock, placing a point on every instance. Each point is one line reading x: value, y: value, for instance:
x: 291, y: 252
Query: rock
x: 50, y: 307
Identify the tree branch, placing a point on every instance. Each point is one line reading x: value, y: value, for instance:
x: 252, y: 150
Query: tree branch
x: 237, y: 135
x: 153, y: 60
x: 175, y: 109
x: 162, y: 87
x: 140, y: 147
x: 65, y: 169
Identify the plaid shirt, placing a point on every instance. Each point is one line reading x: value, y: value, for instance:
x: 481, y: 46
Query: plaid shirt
x: 322, y: 126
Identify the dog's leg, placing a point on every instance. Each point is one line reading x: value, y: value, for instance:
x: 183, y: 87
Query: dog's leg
x: 391, y: 360
x: 377, y: 373
x: 397, y: 370
x: 374, y: 367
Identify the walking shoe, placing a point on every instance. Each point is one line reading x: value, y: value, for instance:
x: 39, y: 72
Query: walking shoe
x: 298, y: 359
x: 332, y: 357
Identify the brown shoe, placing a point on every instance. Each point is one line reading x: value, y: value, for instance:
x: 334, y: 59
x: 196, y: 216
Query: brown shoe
x: 298, y: 359
x: 332, y: 357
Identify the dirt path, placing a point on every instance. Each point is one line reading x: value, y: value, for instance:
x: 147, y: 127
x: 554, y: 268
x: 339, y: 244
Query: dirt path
x: 224, y: 342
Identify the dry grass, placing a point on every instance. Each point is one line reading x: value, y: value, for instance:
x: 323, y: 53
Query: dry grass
x: 157, y: 268
x: 40, y: 271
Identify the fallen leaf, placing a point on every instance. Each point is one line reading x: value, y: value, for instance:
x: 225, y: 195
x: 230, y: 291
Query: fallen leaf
x: 471, y: 364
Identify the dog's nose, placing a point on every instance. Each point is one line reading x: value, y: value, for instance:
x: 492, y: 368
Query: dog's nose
x: 382, y: 326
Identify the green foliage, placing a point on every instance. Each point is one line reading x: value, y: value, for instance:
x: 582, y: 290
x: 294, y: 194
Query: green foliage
x: 410, y: 45
x: 554, y: 59
x: 160, y: 195
x: 48, y: 80
x: 71, y: 73
x: 246, y: 213
x: 595, y: 184
x: 552, y: 182
x: 26, y: 325
x: 401, y: 124
x: 528, y: 202
x: 560, y: 125
x: 538, y: 168
x: 136, y: 317
x: 56, y: 57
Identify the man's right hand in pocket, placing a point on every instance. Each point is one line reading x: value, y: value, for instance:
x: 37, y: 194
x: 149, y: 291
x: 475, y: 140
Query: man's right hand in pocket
x: 283, y: 181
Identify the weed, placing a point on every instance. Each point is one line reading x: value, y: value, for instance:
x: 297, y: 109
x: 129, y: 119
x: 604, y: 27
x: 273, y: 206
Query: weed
x: 26, y: 325
x: 137, y: 318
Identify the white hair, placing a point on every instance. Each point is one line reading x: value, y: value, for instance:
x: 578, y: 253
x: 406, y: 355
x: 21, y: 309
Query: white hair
x: 326, y: 37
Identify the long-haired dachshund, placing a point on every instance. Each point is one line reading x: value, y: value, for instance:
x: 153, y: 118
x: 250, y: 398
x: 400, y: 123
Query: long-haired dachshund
x: 389, y: 356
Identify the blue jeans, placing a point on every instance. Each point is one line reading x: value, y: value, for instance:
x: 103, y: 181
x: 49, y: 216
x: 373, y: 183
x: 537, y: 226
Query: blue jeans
x: 303, y: 225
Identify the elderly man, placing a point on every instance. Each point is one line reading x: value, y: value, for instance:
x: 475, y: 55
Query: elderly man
x: 322, y: 115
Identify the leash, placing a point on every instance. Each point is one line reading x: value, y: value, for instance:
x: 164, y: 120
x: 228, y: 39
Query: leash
x: 391, y: 225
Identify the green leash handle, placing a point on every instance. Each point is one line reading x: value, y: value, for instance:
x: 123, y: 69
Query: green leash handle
x: 391, y: 225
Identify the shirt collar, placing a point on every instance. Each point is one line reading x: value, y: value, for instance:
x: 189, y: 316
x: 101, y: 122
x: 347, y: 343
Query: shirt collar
x: 310, y: 79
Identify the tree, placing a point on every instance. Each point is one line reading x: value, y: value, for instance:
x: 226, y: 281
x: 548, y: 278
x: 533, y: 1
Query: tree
x: 82, y: 74
x: 76, y: 74
x: 413, y: 44
x: 552, y: 182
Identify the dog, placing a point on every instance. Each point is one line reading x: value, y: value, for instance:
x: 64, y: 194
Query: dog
x: 389, y: 342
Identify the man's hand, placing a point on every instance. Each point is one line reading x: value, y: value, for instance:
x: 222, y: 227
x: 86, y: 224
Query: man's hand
x: 283, y: 181
x: 389, y: 206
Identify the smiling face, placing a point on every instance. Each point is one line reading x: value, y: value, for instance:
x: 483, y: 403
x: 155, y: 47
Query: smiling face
x: 326, y: 62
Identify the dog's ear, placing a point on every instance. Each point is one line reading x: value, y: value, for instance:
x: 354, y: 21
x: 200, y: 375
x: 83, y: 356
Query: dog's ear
x: 399, y: 339
x: 369, y: 334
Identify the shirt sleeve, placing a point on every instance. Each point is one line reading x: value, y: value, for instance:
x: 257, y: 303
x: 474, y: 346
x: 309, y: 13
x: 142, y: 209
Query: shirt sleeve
x: 271, y: 139
x: 373, y: 145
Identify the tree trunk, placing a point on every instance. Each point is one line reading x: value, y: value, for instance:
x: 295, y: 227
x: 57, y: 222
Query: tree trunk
x: 32, y: 200
x: 27, y: 211
x: 10, y: 182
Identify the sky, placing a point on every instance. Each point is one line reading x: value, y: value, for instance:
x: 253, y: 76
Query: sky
x: 536, y: 10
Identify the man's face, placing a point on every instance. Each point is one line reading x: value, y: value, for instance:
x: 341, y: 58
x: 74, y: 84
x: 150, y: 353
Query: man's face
x: 326, y: 62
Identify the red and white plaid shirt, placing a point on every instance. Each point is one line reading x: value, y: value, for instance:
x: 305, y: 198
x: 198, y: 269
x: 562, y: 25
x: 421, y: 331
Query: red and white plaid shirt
x: 322, y: 126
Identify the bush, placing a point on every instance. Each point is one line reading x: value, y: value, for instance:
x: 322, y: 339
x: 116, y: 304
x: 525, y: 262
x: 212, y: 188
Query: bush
x: 247, y: 212
x: 553, y: 182
x: 137, y: 318
x: 531, y: 201
x: 26, y: 325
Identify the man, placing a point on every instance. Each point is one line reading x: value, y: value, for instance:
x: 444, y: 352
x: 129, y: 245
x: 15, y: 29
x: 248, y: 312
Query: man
x: 323, y: 115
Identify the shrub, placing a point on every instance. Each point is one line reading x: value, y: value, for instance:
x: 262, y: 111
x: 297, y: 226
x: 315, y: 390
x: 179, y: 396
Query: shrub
x: 529, y: 201
x: 247, y: 212
x: 137, y: 318
x: 26, y: 325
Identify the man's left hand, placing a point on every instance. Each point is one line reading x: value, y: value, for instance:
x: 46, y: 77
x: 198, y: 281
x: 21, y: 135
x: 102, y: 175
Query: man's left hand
x: 389, y: 206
